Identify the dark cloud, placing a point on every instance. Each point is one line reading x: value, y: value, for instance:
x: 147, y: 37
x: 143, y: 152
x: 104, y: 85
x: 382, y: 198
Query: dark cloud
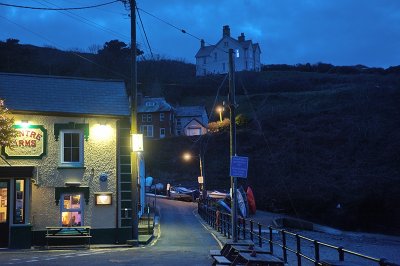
x: 342, y: 32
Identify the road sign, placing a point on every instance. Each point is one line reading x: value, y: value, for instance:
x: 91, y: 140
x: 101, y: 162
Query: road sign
x: 239, y: 166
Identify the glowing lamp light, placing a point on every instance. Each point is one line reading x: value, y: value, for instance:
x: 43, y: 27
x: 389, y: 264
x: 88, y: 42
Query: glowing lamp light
x: 24, y: 123
x: 137, y: 142
x: 187, y: 156
x: 101, y: 131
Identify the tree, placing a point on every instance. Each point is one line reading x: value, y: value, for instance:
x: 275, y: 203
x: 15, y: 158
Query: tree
x: 7, y: 132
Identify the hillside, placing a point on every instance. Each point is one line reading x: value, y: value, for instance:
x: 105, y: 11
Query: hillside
x: 319, y: 136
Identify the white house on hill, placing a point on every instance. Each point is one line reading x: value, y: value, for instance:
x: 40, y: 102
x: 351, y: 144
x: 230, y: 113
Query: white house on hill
x: 213, y: 59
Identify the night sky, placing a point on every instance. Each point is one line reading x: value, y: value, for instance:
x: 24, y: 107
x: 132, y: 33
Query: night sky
x: 340, y: 32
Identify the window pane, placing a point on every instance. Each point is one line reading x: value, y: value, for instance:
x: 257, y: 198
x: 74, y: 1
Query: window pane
x: 67, y: 155
x: 75, y: 140
x: 75, y: 155
x: 71, y: 218
x: 67, y: 139
x: 19, y: 201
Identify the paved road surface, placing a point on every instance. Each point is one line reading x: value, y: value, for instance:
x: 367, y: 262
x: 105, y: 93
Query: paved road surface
x: 182, y: 240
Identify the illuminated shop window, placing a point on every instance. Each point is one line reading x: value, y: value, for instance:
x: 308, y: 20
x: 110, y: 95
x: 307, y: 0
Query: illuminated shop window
x: 3, y: 201
x: 72, y: 148
x: 71, y: 210
x: 19, y: 199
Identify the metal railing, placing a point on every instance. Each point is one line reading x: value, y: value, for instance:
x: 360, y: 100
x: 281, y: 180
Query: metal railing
x: 284, y: 242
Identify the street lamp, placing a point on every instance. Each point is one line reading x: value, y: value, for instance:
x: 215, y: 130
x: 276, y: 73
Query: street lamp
x: 187, y: 157
x: 220, y: 109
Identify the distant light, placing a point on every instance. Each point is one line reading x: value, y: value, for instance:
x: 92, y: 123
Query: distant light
x: 187, y: 156
x: 237, y: 53
x: 137, y: 142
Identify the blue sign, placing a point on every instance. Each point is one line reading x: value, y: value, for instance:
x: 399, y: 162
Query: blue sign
x: 239, y: 166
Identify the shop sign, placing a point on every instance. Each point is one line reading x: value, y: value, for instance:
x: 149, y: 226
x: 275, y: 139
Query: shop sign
x: 30, y: 143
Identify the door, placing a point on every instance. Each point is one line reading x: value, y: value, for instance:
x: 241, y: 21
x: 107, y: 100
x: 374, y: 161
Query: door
x: 4, y: 211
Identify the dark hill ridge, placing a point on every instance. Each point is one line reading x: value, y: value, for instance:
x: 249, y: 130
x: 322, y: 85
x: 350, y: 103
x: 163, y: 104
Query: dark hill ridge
x: 319, y: 135
x: 316, y: 150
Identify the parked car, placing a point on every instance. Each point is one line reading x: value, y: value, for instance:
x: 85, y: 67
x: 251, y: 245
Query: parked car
x: 184, y: 194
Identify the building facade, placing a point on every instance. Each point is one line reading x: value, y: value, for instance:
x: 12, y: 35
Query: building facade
x: 155, y: 118
x: 70, y: 164
x: 213, y: 59
x: 191, y: 120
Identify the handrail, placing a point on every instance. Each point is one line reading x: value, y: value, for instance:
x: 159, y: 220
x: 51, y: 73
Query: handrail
x: 222, y: 223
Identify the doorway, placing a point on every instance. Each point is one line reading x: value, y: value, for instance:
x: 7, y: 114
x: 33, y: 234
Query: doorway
x: 4, y: 212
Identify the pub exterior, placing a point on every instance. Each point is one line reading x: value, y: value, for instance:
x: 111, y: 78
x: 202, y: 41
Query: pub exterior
x: 70, y: 163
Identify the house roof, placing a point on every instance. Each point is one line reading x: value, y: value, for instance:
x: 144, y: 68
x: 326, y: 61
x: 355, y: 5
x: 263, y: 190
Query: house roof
x: 69, y: 95
x: 205, y: 51
x: 195, y: 120
x: 191, y: 111
x: 152, y: 105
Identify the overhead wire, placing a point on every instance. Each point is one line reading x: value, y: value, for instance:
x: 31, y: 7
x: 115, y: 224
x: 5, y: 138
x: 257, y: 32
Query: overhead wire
x: 55, y: 9
x: 74, y: 53
x: 144, y: 31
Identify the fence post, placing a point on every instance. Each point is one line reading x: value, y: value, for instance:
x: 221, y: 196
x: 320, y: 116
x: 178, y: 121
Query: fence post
x: 284, y: 251
x: 271, y: 244
x: 244, y: 228
x: 238, y: 228
x: 316, y: 252
x: 251, y: 229
x: 341, y: 254
x: 259, y: 235
x: 298, y: 250
x: 224, y: 222
x: 229, y: 227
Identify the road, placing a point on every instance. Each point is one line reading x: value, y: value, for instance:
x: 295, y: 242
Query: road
x: 181, y: 240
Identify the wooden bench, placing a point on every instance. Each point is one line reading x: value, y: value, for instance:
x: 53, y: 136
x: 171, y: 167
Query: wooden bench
x: 74, y: 232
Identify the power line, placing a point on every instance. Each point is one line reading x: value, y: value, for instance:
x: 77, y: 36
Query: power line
x: 55, y: 9
x: 144, y: 31
x: 76, y: 54
x: 181, y: 30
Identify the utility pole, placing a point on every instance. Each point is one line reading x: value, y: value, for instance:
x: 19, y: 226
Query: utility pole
x: 203, y: 187
x: 134, y: 165
x: 232, y: 107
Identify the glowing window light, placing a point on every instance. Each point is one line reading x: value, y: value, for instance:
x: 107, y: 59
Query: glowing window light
x: 24, y: 123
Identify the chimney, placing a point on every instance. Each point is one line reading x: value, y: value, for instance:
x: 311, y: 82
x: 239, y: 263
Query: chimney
x: 241, y: 38
x: 226, y: 31
x: 201, y: 43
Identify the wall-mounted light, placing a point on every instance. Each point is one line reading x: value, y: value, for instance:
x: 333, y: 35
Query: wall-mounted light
x: 24, y: 123
x: 103, y: 198
x: 101, y: 131
x: 137, y: 142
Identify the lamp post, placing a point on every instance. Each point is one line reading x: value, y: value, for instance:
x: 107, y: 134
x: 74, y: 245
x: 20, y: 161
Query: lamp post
x: 220, y: 110
x: 187, y: 156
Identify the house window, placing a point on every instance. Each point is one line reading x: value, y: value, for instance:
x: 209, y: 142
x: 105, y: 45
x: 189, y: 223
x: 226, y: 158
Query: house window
x: 150, y: 103
x: 144, y: 117
x: 162, y: 117
x: 149, y: 118
x: 178, y: 132
x: 162, y: 133
x: 71, y: 210
x: 178, y: 122
x: 193, y: 132
x: 226, y: 44
x: 72, y: 147
x: 19, y: 201
x: 146, y: 130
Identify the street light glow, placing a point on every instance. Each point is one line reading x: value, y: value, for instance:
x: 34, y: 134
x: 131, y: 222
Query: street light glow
x: 187, y: 156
